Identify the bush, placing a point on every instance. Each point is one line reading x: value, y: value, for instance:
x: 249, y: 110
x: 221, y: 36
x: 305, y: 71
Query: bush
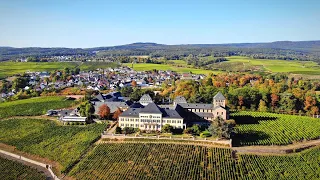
x: 205, y: 134
x: 118, y: 130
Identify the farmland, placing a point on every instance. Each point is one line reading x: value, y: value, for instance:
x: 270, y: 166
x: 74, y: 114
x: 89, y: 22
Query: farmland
x: 14, y: 170
x: 64, y: 144
x: 182, y: 68
x: 174, y: 161
x: 12, y: 68
x: 33, y: 106
x: 256, y: 128
x: 245, y: 63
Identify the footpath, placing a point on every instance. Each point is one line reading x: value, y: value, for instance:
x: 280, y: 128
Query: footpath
x: 41, y: 167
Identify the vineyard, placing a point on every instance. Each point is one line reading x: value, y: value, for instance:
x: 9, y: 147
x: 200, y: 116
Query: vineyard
x: 176, y: 161
x: 14, y: 170
x: 33, y: 106
x: 64, y: 144
x: 259, y: 128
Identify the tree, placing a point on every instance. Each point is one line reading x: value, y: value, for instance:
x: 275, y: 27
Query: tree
x: 86, y: 109
x: 262, y: 106
x: 104, y: 111
x: 209, y: 82
x: 274, y: 101
x: 220, y: 128
x: 133, y: 83
x: 167, y: 128
x: 118, y: 130
x: 116, y: 114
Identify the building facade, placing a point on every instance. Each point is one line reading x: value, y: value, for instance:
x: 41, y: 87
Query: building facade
x: 149, y: 116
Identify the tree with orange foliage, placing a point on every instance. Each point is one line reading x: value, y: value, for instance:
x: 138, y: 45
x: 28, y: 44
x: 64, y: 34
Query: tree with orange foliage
x: 104, y: 111
x: 274, y: 101
x: 116, y: 114
x: 133, y: 83
x: 309, y: 102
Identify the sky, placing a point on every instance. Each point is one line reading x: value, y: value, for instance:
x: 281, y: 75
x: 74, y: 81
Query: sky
x: 95, y: 23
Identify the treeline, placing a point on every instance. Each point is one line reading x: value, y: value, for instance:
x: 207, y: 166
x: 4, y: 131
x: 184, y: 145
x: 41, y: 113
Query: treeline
x: 268, y: 93
x: 286, y: 50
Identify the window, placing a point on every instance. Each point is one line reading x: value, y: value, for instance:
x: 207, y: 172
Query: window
x: 137, y: 125
x: 217, y: 113
x: 137, y: 120
x: 169, y: 121
x: 132, y: 125
x: 121, y: 125
x: 221, y: 113
x: 173, y: 121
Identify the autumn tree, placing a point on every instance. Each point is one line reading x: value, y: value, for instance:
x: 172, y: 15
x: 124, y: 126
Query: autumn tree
x: 274, y: 101
x: 262, y: 106
x: 116, y: 114
x: 134, y: 83
x: 104, y: 111
x: 309, y: 102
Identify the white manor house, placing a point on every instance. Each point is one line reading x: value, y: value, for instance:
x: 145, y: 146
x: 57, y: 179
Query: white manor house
x: 146, y: 115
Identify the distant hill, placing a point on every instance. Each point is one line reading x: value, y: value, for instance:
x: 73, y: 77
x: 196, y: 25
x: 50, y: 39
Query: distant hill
x: 302, y: 50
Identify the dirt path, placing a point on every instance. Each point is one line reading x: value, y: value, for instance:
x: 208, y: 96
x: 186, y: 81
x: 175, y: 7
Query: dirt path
x: 277, y: 150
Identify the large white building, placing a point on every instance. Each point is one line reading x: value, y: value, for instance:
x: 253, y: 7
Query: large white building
x: 149, y: 116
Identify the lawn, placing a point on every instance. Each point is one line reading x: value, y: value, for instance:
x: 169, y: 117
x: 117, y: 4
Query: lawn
x: 64, y: 144
x: 178, y: 161
x: 33, y: 106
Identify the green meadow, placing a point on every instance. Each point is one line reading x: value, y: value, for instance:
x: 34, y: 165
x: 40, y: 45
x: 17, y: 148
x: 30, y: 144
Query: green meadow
x: 293, y: 66
x: 180, y: 68
x: 12, y: 68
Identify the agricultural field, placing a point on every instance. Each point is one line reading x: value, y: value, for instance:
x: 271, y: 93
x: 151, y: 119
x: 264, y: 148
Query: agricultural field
x: 15, y: 170
x: 63, y: 144
x: 12, y: 68
x: 177, y: 161
x: 259, y: 128
x: 89, y: 66
x: 182, y: 68
x: 245, y: 63
x: 33, y: 106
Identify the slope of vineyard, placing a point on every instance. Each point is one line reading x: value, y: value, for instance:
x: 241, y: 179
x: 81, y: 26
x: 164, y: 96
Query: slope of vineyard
x: 177, y: 161
x: 14, y: 170
x: 259, y: 128
x: 64, y: 144
x: 33, y: 106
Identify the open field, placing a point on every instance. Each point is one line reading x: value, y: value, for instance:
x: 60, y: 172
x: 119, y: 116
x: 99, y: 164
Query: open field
x: 176, y: 161
x: 63, y: 144
x: 33, y: 106
x: 12, y: 68
x: 182, y: 69
x: 295, y: 67
x: 14, y: 170
x: 256, y: 128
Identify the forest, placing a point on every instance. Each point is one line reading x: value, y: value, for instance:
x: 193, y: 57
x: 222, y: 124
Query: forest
x: 285, y: 50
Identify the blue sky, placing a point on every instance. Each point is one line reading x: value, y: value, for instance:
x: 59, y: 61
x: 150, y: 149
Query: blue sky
x: 93, y: 23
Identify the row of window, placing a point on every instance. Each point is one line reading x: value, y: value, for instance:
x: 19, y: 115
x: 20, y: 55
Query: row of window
x: 144, y: 126
x: 149, y: 120
x: 155, y: 117
x: 200, y: 110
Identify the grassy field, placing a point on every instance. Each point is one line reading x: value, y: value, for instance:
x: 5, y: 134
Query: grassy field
x: 15, y: 170
x: 33, y: 106
x: 295, y: 67
x: 177, y: 161
x: 256, y: 128
x: 183, y: 69
x: 64, y: 144
x: 12, y: 68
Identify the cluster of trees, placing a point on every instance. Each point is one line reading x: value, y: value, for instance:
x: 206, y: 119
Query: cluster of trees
x: 104, y: 112
x: 265, y: 93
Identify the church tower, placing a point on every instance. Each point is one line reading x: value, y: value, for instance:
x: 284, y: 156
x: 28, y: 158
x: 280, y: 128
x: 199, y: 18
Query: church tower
x: 219, y: 100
